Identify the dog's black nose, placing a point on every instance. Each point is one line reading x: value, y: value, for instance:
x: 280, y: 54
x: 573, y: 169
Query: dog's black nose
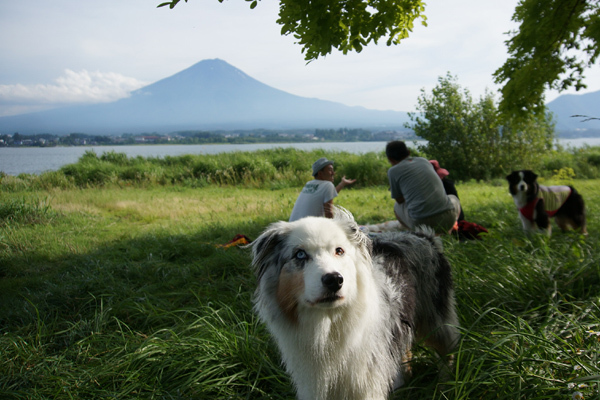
x: 333, y: 281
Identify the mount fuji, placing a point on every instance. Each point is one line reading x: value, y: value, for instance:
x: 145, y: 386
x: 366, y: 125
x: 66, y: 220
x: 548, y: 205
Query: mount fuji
x: 210, y: 95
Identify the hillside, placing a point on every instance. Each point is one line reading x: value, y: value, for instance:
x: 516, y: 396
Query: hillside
x: 567, y: 106
x: 211, y: 94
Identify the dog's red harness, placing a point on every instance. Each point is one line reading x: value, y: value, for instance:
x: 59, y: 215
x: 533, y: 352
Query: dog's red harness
x: 554, y: 197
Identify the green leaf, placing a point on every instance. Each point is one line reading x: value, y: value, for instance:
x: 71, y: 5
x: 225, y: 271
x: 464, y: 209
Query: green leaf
x: 322, y: 26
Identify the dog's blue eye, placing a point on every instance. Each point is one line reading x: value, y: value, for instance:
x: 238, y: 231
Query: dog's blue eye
x: 339, y: 251
x: 301, y: 255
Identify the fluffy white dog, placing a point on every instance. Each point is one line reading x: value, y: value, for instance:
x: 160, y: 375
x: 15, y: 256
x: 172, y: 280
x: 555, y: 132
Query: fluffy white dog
x: 344, y: 310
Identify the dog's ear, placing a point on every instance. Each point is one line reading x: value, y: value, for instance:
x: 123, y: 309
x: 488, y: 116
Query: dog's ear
x: 533, y: 175
x: 356, y: 236
x: 510, y: 176
x: 264, y: 247
x: 346, y: 220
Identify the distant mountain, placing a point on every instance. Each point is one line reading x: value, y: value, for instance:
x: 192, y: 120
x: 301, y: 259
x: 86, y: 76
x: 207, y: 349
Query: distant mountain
x: 211, y: 94
x: 566, y: 106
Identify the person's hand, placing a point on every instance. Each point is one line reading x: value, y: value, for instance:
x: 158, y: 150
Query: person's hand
x: 343, y: 183
x: 347, y: 181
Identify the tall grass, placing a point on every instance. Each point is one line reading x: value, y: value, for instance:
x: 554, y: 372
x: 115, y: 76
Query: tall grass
x: 21, y: 210
x: 109, y: 292
x: 266, y: 169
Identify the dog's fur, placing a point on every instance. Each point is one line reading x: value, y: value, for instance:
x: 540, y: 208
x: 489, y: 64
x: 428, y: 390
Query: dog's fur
x: 345, y: 310
x: 525, y: 189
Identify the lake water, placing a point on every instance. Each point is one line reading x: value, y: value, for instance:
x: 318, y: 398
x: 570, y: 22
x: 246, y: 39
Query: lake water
x: 35, y: 160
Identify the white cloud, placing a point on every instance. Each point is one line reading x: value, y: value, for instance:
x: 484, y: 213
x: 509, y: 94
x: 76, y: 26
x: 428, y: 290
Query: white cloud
x: 72, y: 87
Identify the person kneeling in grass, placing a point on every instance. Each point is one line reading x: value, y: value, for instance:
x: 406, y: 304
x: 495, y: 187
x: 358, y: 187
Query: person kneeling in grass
x: 419, y: 192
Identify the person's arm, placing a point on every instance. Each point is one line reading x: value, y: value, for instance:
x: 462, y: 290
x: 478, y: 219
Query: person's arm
x: 343, y: 183
x: 449, y: 187
x: 328, y: 209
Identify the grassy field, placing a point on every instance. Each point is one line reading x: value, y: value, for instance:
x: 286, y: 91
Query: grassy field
x: 123, y: 293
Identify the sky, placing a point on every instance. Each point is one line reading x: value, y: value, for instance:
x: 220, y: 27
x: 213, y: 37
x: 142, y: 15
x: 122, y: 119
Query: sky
x: 62, y: 52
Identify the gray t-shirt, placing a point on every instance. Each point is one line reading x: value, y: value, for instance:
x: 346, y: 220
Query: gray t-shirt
x: 310, y: 201
x: 415, y: 179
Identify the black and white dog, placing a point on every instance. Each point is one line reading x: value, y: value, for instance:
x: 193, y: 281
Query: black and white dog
x: 345, y: 310
x: 538, y: 203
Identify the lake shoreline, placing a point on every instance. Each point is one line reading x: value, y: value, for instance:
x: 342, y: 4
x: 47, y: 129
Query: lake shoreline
x: 36, y: 160
x: 583, y: 138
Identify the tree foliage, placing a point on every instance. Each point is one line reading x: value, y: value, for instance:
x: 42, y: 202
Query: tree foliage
x: 319, y: 26
x: 472, y: 139
x: 555, y: 42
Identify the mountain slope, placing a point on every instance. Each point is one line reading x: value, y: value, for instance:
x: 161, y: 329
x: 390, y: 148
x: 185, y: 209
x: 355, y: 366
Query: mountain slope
x: 566, y: 106
x: 209, y: 95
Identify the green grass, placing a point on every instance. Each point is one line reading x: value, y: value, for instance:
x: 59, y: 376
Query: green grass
x: 122, y: 293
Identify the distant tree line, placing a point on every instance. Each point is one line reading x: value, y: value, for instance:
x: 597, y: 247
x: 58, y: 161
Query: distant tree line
x: 205, y: 137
